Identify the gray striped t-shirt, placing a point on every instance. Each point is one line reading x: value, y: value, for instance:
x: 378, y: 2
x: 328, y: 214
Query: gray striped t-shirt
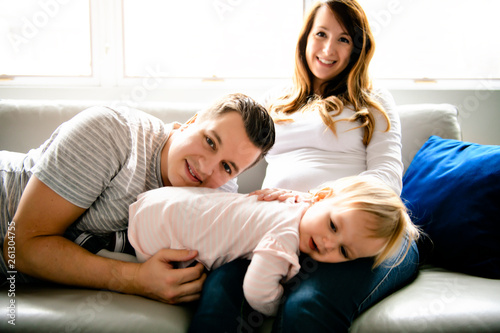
x: 101, y: 160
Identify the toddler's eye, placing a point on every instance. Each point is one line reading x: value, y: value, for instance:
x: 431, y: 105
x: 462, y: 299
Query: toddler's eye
x: 332, y: 226
x: 344, y: 252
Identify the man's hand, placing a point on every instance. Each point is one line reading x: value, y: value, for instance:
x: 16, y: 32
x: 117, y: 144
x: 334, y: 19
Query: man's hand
x: 158, y: 279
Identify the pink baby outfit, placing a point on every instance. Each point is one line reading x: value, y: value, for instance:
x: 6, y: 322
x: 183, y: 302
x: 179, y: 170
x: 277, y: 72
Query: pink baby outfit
x: 222, y: 227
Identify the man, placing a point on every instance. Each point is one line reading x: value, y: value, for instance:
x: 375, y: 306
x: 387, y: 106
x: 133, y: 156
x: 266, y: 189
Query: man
x: 83, y: 179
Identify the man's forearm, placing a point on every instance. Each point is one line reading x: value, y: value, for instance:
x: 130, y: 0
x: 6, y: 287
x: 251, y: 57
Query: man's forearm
x: 59, y: 260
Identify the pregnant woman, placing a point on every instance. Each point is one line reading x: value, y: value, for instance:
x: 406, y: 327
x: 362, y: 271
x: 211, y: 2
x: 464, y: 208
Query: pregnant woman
x: 358, y: 134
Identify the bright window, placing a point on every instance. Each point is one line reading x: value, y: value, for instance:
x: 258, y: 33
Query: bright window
x: 211, y: 39
x: 112, y: 42
x: 435, y: 39
x: 45, y: 38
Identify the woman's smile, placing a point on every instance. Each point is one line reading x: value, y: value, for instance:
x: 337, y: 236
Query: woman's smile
x: 326, y: 62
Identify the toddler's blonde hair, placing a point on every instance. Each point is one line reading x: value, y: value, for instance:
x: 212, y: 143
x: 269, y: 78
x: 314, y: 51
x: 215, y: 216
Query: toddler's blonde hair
x: 391, y: 220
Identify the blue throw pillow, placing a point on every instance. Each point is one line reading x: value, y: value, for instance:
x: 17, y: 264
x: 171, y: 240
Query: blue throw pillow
x: 452, y: 189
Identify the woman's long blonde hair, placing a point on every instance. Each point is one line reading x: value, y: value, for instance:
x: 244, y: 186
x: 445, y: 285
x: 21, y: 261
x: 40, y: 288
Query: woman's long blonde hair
x: 351, y: 87
x: 391, y: 220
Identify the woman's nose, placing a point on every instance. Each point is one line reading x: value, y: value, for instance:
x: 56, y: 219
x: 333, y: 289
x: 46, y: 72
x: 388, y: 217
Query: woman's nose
x: 329, y: 47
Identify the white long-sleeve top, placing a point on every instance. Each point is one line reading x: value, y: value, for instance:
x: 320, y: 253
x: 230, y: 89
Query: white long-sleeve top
x: 307, y: 153
x: 223, y: 226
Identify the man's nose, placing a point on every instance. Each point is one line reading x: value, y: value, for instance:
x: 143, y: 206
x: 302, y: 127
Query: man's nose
x: 208, y: 165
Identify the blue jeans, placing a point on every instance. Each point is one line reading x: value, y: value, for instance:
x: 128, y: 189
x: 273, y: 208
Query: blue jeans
x: 320, y: 298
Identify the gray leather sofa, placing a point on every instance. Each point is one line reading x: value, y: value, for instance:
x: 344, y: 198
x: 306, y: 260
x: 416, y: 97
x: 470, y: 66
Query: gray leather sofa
x: 437, y: 301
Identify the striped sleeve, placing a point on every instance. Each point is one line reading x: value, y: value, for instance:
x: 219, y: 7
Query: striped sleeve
x: 262, y: 284
x: 83, y: 155
x: 273, y: 262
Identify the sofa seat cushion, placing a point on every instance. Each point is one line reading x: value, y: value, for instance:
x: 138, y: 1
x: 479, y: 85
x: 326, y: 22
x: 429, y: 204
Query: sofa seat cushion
x: 437, y: 301
x: 52, y: 308
x: 452, y: 190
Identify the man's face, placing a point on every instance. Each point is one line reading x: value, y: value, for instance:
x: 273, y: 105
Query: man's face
x: 208, y: 153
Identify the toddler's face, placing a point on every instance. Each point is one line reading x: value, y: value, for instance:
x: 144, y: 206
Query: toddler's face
x: 332, y: 233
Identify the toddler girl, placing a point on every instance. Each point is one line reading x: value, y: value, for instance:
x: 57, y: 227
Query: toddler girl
x: 353, y: 217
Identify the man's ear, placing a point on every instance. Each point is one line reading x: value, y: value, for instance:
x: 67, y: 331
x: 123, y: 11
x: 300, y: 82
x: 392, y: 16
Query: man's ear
x: 189, y: 122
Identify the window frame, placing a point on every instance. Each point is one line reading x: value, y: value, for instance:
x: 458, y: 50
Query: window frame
x: 107, y: 53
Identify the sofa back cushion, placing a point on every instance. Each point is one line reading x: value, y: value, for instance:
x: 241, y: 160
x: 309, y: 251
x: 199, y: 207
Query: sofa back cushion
x: 26, y: 124
x: 420, y: 121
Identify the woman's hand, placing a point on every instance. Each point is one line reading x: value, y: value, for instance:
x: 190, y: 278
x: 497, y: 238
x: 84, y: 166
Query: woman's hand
x: 158, y: 279
x: 270, y: 194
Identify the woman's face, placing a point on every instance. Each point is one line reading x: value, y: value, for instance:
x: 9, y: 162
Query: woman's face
x: 328, y: 49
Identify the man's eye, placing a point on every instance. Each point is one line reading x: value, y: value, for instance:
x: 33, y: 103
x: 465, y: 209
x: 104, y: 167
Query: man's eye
x: 227, y: 168
x: 210, y: 142
x: 332, y: 226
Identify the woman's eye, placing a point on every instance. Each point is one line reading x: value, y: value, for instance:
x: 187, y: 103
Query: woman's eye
x: 321, y: 34
x: 227, y: 168
x: 210, y: 142
x: 332, y: 226
x: 344, y: 40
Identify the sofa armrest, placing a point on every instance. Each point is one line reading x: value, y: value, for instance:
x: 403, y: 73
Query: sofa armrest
x: 437, y: 301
